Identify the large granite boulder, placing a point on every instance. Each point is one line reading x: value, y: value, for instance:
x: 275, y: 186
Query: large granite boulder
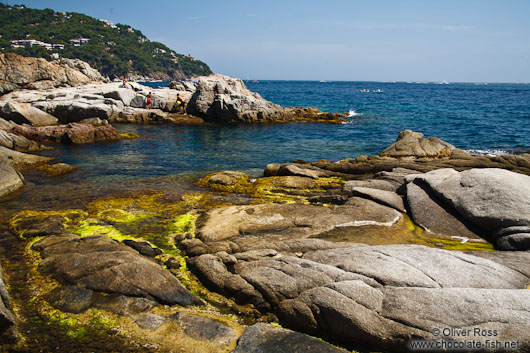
x: 10, y: 179
x: 125, y: 95
x: 220, y: 98
x: 410, y: 143
x: 74, y: 133
x: 83, y: 67
x: 34, y: 73
x: 22, y: 113
x: 435, y: 216
x: 495, y: 200
x: 381, y: 296
x: 101, y: 264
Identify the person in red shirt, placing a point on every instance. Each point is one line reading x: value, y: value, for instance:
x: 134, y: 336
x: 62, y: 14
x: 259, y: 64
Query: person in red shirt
x: 149, y: 102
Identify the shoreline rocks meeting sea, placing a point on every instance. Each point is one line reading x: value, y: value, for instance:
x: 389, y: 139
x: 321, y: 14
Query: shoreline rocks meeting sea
x: 421, y: 247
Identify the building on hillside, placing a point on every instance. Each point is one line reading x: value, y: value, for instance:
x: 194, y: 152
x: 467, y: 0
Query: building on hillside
x: 55, y: 55
x: 108, y: 23
x: 159, y: 51
x: 190, y: 57
x: 58, y: 46
x: 24, y: 43
x: 77, y: 42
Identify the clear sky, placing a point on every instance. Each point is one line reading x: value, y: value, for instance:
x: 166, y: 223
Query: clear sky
x: 379, y: 40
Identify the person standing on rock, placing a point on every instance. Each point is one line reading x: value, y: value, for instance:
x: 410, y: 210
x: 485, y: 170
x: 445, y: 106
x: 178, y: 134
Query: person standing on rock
x: 181, y: 104
x: 149, y: 102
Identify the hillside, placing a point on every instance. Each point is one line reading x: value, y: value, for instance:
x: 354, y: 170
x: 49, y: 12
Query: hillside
x: 115, y: 50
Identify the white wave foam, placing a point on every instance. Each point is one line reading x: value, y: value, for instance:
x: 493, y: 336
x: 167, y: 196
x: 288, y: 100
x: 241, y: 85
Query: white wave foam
x: 353, y: 113
x: 487, y: 152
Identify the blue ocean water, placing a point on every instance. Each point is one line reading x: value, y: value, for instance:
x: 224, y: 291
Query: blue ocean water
x: 492, y: 118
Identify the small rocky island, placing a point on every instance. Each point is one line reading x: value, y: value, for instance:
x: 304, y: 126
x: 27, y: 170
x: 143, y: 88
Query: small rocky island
x: 421, y: 244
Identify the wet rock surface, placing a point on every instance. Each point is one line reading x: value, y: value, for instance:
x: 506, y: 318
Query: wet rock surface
x: 8, y: 328
x: 10, y: 180
x: 102, y: 264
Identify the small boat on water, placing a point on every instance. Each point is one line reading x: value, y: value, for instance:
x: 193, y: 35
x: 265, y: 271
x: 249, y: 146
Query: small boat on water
x: 365, y: 90
x: 378, y: 91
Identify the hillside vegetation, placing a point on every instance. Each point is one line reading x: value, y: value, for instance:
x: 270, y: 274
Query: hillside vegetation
x: 113, y: 50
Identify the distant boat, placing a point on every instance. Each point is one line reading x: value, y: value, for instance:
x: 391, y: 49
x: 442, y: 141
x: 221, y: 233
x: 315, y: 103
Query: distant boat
x: 444, y: 82
x: 365, y: 90
x: 323, y: 81
x: 378, y: 91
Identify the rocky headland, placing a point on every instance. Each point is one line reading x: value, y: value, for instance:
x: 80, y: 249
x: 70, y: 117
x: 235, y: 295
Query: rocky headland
x: 413, y: 246
x: 422, y: 244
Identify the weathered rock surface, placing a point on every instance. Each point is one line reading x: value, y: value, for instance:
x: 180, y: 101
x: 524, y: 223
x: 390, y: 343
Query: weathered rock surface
x: 292, y: 220
x: 101, y: 264
x: 495, y: 200
x: 384, y: 197
x: 263, y: 338
x: 437, y: 218
x: 23, y: 113
x: 369, y: 295
x: 74, y: 299
x: 143, y: 248
x: 73, y: 133
x: 203, y: 328
x: 8, y: 329
x: 32, y: 73
x: 410, y: 143
x: 15, y: 157
x: 18, y: 143
x: 10, y: 179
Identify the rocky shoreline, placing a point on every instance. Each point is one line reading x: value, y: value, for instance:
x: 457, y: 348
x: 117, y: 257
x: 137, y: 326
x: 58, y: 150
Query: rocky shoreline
x: 421, y: 244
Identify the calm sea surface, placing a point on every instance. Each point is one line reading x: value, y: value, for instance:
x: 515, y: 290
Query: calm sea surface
x: 492, y: 118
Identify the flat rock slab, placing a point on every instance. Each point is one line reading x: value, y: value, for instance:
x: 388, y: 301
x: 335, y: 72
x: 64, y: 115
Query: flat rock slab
x: 205, y: 329
x: 495, y: 200
x: 294, y: 220
x: 369, y: 295
x: 74, y: 133
x: 263, y: 338
x: 384, y: 197
x: 104, y: 265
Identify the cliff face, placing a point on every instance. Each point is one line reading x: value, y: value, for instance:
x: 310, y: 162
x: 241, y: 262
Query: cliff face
x: 18, y: 72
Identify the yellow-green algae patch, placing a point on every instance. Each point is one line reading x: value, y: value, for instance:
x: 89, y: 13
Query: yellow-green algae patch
x: 183, y: 224
x: 23, y: 221
x: 129, y: 136
x: 419, y: 237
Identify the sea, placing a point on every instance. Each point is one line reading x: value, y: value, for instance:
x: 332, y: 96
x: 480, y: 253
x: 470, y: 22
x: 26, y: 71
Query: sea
x: 482, y: 118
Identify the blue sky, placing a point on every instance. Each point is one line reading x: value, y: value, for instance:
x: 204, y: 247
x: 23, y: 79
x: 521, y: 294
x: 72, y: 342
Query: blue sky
x: 379, y: 40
